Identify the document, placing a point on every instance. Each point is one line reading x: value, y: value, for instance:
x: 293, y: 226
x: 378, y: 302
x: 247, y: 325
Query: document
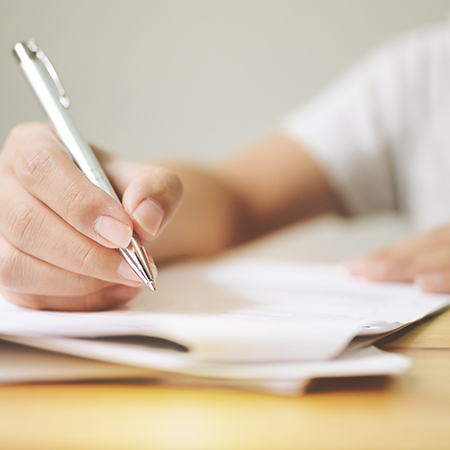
x: 237, y: 310
x: 22, y: 364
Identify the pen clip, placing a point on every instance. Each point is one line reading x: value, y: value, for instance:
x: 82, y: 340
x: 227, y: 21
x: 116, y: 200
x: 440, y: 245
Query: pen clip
x: 34, y: 48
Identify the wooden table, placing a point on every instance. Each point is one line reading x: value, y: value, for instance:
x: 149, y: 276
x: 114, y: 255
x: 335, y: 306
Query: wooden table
x: 411, y: 411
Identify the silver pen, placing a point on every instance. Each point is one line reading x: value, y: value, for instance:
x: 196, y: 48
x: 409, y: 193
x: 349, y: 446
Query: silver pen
x: 47, y: 86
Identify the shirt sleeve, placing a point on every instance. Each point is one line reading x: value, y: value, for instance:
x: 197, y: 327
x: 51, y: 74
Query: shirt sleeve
x: 351, y: 127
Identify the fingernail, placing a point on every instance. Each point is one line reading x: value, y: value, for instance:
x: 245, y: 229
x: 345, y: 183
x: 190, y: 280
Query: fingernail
x: 114, y: 231
x: 153, y: 270
x: 430, y: 280
x: 127, y: 273
x: 149, y: 215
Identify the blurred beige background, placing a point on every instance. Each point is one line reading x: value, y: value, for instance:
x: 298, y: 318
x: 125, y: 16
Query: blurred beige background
x: 192, y: 79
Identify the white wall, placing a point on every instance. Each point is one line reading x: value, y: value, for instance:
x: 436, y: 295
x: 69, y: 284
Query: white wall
x: 191, y: 79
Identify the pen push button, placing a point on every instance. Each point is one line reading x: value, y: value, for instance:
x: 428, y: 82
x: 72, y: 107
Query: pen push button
x: 39, y: 53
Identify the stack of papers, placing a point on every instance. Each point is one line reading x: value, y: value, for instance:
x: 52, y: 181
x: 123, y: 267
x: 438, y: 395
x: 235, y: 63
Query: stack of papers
x: 241, y: 323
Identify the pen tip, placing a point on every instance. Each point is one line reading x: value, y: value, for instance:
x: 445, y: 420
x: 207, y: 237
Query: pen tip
x: 151, y: 284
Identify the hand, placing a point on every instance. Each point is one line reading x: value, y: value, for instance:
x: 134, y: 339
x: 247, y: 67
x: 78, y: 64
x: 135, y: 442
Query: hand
x: 59, y: 232
x: 423, y: 260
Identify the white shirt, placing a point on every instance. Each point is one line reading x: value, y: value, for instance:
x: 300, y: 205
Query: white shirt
x: 382, y: 132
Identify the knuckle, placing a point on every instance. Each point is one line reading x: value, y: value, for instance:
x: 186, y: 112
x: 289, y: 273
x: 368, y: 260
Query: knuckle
x: 17, y: 132
x: 79, y: 285
x: 87, y: 258
x: 24, y: 129
x: 170, y: 180
x: 34, y: 165
x: 22, y: 138
x: 166, y: 186
x: 23, y: 223
x: 76, y: 201
x: 14, y: 139
x: 83, y: 203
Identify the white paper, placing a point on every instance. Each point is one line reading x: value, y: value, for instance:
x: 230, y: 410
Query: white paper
x: 20, y: 364
x: 243, y: 310
x: 362, y: 362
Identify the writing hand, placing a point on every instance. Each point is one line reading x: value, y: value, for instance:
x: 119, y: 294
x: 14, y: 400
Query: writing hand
x: 59, y: 232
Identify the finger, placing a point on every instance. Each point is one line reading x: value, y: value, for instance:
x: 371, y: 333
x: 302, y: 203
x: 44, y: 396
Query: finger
x: 150, y: 194
x: 431, y: 260
x: 48, y: 173
x: 389, y: 269
x: 33, y: 228
x: 401, y: 262
x: 106, y: 298
x: 152, y: 199
x: 432, y: 271
x: 437, y: 282
x: 23, y: 273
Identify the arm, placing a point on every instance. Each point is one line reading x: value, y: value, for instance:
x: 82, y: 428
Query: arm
x: 267, y: 185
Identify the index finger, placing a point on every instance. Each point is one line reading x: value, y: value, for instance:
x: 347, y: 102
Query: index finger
x: 44, y: 168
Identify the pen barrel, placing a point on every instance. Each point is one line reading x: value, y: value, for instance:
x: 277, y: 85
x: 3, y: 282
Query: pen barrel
x: 45, y: 90
x: 52, y: 97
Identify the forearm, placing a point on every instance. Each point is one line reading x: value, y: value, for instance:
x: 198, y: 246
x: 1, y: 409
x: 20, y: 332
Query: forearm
x: 270, y: 184
x: 278, y: 183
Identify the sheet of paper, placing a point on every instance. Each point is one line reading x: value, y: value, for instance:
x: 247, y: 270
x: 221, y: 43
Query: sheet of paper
x: 362, y: 362
x: 20, y: 364
x: 324, y: 292
x: 242, y: 310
